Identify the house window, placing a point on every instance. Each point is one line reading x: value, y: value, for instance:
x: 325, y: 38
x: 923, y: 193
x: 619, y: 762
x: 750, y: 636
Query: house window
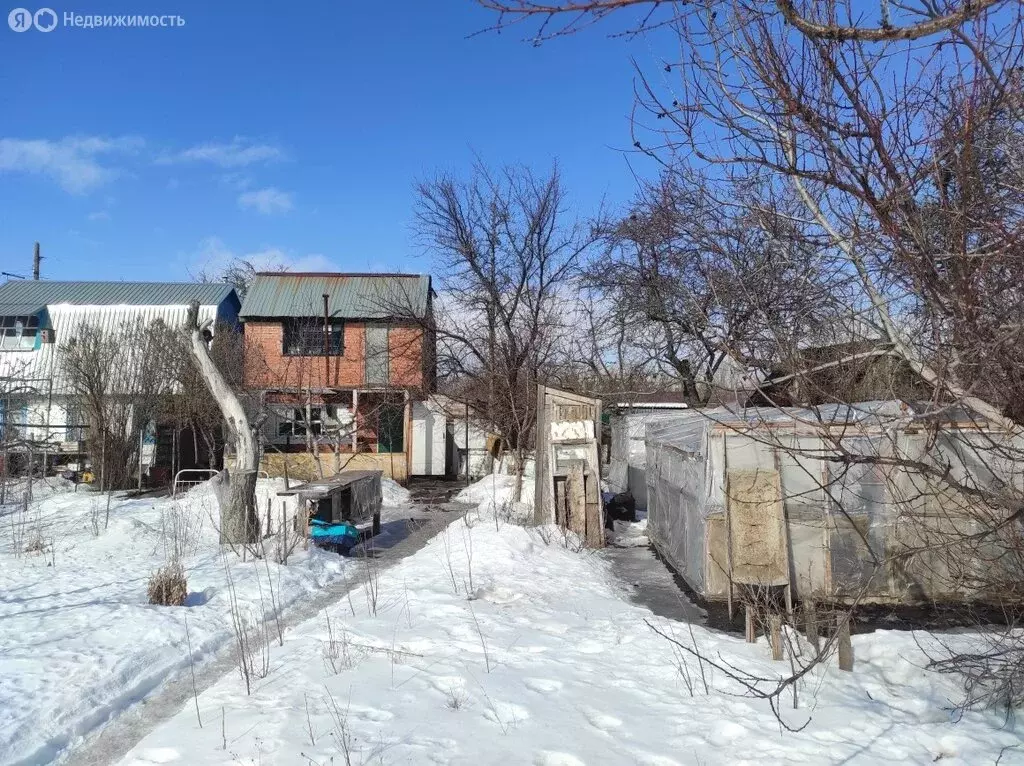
x: 292, y: 422
x: 18, y: 333
x: 305, y: 337
x: 391, y: 429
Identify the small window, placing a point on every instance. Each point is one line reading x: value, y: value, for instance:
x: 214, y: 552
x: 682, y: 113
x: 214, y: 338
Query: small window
x: 305, y: 337
x: 293, y: 422
x: 18, y: 333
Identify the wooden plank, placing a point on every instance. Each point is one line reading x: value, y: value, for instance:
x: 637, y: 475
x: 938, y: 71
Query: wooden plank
x: 751, y: 633
x: 594, y: 514
x: 728, y: 526
x: 575, y: 490
x: 544, y: 492
x: 756, y: 527
x: 775, y: 633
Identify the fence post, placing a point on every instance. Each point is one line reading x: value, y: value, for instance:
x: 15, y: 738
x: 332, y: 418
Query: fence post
x: 845, y: 644
x: 811, y: 617
x: 775, y: 629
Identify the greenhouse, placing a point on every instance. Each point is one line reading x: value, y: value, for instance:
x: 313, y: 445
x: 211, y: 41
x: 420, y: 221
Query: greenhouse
x: 820, y: 501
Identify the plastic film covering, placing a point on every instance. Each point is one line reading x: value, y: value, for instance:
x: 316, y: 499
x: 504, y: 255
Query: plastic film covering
x: 681, y: 492
x: 366, y: 496
x: 627, y: 465
x: 844, y: 519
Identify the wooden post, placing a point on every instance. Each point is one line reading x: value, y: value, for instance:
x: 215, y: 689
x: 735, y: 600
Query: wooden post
x: 845, y: 644
x: 594, y: 518
x: 728, y: 527
x: 750, y: 628
x: 544, y: 489
x: 142, y: 432
x: 775, y: 632
x: 174, y: 455
x: 306, y: 511
x: 355, y: 421
x: 327, y: 344
x: 811, y: 618
x: 577, y: 499
x: 36, y: 259
x: 465, y: 428
x: 407, y: 436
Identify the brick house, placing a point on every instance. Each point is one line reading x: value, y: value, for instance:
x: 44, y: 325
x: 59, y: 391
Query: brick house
x: 343, y: 364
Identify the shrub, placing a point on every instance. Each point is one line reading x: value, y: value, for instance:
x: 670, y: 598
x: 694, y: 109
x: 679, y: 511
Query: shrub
x: 167, y: 585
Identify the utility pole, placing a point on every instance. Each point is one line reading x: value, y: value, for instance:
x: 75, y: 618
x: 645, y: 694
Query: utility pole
x: 36, y: 258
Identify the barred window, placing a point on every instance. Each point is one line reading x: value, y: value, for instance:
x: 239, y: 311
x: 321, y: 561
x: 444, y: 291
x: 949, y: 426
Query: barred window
x: 305, y: 337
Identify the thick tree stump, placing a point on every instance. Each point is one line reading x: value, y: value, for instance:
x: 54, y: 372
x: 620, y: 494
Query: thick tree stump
x: 235, y: 491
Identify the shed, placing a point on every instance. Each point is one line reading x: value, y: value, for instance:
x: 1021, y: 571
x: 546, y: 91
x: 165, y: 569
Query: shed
x: 350, y: 496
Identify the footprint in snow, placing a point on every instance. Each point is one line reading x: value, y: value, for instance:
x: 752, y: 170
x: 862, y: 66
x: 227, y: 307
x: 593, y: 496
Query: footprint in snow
x: 370, y: 714
x: 543, y: 685
x: 600, y: 720
x: 552, y: 758
x: 159, y: 755
x: 650, y: 759
x: 506, y: 713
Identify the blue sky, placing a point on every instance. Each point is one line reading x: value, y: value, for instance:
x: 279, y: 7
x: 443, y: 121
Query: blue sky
x: 292, y: 132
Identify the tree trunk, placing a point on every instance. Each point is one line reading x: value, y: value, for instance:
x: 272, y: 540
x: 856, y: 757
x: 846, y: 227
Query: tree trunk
x: 520, y: 459
x: 236, y: 489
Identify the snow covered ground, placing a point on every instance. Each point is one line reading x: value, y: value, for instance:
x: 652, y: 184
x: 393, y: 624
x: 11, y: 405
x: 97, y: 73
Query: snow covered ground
x: 79, y: 641
x: 497, y: 644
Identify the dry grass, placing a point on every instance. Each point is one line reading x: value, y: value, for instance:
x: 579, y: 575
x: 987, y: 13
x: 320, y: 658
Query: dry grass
x: 167, y: 585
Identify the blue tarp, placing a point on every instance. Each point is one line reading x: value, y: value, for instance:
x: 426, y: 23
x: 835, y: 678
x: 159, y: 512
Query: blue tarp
x: 326, y: 533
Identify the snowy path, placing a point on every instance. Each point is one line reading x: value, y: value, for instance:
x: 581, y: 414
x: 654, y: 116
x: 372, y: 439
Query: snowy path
x: 399, y: 538
x: 494, y: 644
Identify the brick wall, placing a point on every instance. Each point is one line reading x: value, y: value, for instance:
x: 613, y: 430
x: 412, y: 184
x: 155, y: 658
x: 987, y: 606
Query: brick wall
x: 267, y: 367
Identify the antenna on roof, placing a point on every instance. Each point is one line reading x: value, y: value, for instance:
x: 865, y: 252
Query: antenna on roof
x: 36, y: 258
x: 9, y: 274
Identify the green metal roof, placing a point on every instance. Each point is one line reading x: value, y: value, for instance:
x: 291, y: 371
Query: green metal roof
x: 20, y: 309
x: 350, y: 296
x: 23, y: 292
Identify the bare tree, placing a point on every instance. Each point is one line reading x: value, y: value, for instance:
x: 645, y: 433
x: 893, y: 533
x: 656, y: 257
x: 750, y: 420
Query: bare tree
x: 119, y: 375
x: 678, y: 268
x: 891, y: 141
x: 236, y: 489
x: 190, y: 407
x: 238, y: 272
x: 507, y: 252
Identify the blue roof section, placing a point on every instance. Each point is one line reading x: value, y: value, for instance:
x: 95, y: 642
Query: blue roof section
x: 39, y: 293
x: 349, y: 296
